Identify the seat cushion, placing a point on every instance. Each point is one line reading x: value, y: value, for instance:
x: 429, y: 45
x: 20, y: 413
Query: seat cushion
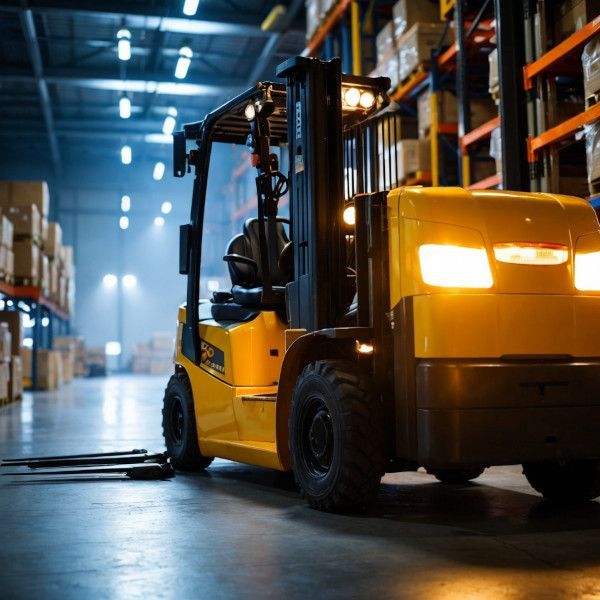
x: 229, y: 311
x: 252, y: 297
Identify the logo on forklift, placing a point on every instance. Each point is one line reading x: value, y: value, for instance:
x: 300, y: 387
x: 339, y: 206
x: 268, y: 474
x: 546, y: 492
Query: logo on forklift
x: 212, y: 357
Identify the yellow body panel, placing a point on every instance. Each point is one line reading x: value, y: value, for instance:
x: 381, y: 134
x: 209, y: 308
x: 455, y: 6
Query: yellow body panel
x: 529, y: 310
x: 229, y: 423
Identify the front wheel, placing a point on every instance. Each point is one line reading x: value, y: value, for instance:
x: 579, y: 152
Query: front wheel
x: 568, y: 481
x: 336, y: 436
x: 179, y: 425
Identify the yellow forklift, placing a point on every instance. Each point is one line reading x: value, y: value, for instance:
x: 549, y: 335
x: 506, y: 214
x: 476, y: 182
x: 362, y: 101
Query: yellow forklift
x: 385, y: 330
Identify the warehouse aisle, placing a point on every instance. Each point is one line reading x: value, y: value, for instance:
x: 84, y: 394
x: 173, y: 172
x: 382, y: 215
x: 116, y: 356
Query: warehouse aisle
x: 244, y: 530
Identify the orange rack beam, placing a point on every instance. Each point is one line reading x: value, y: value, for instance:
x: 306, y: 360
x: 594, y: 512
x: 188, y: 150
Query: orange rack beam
x: 561, y: 131
x: 32, y: 293
x: 478, y: 133
x: 409, y: 86
x: 328, y: 24
x: 448, y: 128
x: 552, y: 58
x: 487, y: 183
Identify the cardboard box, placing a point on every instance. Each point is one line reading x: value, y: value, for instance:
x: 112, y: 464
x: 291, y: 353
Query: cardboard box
x: 385, y: 42
x: 44, y: 229
x: 68, y: 264
x: 571, y: 15
x: 5, y: 343
x: 390, y: 68
x: 409, y: 12
x: 76, y: 346
x: 392, y: 128
x: 27, y: 260
x: 162, y: 341
x: 44, y: 274
x: 413, y: 156
x: 25, y: 355
x: 15, y: 384
x: 446, y: 110
x: 14, y: 322
x: 25, y: 221
x: 54, y: 242
x: 415, y: 47
x: 49, y: 369
x: 590, y: 60
x: 54, y: 279
x: 6, y: 232
x: 26, y: 193
x: 573, y: 186
x: 68, y: 366
x: 9, y: 266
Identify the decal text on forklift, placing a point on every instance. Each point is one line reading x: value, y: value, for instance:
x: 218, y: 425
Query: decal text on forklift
x: 212, y: 357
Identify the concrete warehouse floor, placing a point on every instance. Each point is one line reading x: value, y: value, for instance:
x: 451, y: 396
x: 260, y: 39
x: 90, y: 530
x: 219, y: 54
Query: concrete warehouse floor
x: 244, y: 531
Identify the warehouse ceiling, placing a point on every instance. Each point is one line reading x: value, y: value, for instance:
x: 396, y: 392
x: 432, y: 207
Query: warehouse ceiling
x: 61, y: 78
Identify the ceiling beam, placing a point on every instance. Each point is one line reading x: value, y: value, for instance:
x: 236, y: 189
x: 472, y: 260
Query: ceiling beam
x: 152, y: 83
x: 33, y: 49
x: 165, y: 17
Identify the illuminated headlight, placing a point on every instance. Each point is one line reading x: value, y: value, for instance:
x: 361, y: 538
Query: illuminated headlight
x: 250, y: 112
x: 355, y: 98
x: 531, y: 253
x: 350, y: 215
x: 455, y: 266
x: 587, y: 271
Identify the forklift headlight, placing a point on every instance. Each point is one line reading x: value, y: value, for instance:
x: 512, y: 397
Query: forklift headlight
x: 587, y: 271
x: 455, y: 266
x: 351, y: 97
x: 587, y: 263
x: 367, y: 99
x: 250, y: 112
x: 350, y: 215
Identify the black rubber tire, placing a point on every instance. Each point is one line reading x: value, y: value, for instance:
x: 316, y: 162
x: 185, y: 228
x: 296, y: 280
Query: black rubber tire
x: 570, y: 481
x: 456, y: 476
x: 341, y: 395
x: 179, y: 425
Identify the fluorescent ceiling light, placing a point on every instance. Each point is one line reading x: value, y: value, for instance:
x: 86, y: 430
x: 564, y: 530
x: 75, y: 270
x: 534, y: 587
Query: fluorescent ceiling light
x: 159, y: 221
x: 126, y: 155
x: 125, y: 203
x: 166, y: 208
x: 190, y: 7
x: 159, y: 171
x: 109, y: 280
x: 129, y: 281
x: 158, y: 138
x: 112, y: 348
x: 183, y: 62
x: 124, y: 222
x: 124, y: 44
x: 124, y: 107
x: 169, y: 123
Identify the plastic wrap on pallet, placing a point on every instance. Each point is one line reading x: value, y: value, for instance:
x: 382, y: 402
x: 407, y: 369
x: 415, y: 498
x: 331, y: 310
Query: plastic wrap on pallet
x: 385, y: 42
x: 313, y: 17
x: 590, y: 60
x: 408, y: 12
x: 414, y: 49
x: 496, y: 148
x: 493, y: 81
x: 389, y: 68
x: 592, y: 152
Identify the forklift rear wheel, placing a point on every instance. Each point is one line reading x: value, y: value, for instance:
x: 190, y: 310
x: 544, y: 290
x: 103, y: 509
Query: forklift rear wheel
x: 336, y: 436
x: 179, y: 425
x: 569, y: 481
x: 456, y: 476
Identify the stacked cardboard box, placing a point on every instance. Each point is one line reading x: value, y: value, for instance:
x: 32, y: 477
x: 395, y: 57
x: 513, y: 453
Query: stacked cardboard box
x: 5, y: 354
x: 571, y: 15
x: 95, y: 361
x: 73, y: 347
x: 590, y: 60
x: 39, y: 258
x: 154, y: 358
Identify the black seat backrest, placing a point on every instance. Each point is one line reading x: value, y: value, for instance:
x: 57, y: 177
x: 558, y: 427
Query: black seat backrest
x: 248, y: 244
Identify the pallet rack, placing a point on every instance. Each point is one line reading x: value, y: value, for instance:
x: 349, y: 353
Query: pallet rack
x: 545, y: 135
x: 30, y: 301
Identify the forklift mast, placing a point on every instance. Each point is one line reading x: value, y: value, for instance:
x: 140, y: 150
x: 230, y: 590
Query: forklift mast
x: 314, y: 109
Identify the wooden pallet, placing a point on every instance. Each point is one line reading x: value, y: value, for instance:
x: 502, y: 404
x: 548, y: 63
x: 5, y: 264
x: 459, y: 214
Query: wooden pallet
x: 416, y: 72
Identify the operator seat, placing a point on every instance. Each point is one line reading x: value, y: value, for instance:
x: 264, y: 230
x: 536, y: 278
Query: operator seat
x: 243, y: 259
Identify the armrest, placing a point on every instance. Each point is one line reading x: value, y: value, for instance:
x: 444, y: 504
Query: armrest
x: 238, y: 258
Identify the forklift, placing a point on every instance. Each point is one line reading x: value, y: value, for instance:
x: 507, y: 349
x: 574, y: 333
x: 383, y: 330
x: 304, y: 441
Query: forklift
x: 381, y: 330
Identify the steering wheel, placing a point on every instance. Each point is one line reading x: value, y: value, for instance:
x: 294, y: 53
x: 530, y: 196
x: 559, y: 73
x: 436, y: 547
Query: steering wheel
x: 280, y: 184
